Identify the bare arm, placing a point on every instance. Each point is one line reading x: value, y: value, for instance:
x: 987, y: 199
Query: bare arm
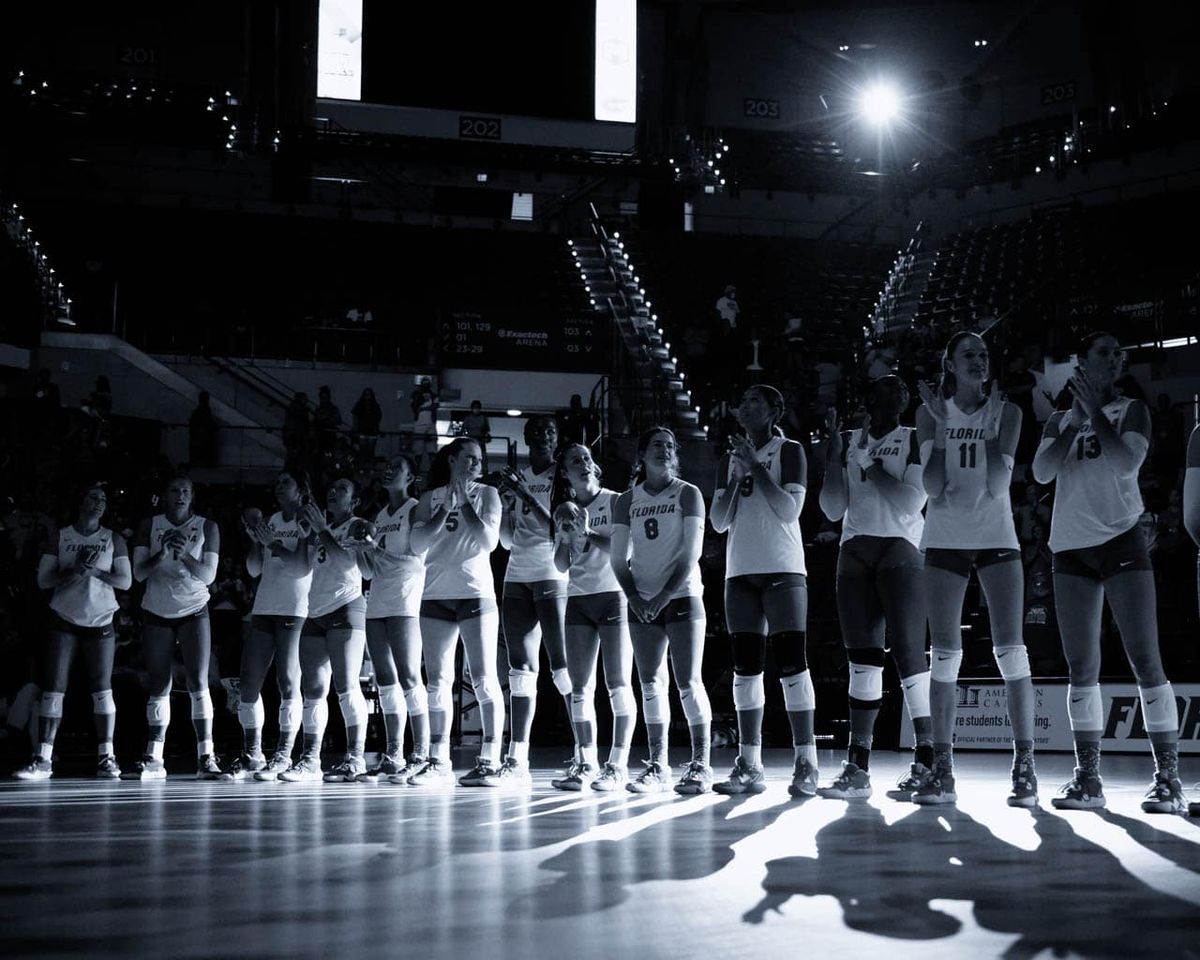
x: 427, y: 522
x: 693, y: 539
x: 786, y: 498
x: 120, y: 577
x: 484, y: 524
x: 834, y: 496
x: 618, y: 557
x: 906, y: 494
x: 1001, y: 449
x: 1124, y: 452
x: 932, y: 439
x: 725, y: 498
x: 1058, y: 438
x: 1191, y: 487
x: 145, y: 562
x: 204, y: 569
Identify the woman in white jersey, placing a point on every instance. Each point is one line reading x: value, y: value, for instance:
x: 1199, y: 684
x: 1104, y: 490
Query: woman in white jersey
x: 968, y: 437
x: 1094, y: 452
x: 83, y: 564
x: 597, y: 622
x: 758, y: 498
x: 458, y: 522
x: 175, y: 553
x: 658, y: 534
x: 334, y: 636
x: 873, y: 485
x: 280, y: 555
x: 534, y: 601
x: 393, y: 627
x: 1191, y: 522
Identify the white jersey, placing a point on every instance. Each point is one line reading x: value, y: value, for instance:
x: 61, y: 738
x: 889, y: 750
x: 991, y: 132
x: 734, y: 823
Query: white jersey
x: 1091, y: 503
x: 868, y: 512
x: 280, y: 592
x: 90, y: 602
x: 591, y: 572
x: 399, y: 574
x: 758, y: 541
x: 966, y: 516
x: 172, y: 590
x: 336, y: 578
x: 532, y: 555
x: 656, y: 526
x: 456, y: 566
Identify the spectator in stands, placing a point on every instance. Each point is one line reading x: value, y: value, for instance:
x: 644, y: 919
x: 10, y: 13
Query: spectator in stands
x: 202, y: 433
x: 476, y: 426
x: 100, y: 400
x: 1030, y: 512
x: 1166, y: 449
x: 574, y: 423
x: 327, y: 419
x: 366, y: 416
x: 728, y: 310
x: 295, y: 428
x: 424, y: 408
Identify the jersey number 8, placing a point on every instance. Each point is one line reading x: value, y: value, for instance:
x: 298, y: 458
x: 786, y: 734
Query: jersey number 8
x: 747, y: 485
x: 651, y: 527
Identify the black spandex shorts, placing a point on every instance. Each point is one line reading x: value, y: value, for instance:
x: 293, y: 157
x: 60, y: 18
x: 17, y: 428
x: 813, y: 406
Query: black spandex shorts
x: 535, y: 591
x: 866, y: 556
x: 597, y: 609
x: 679, y: 610
x: 270, y: 622
x: 349, y: 616
x: 172, y: 623
x: 1122, y: 554
x: 58, y: 625
x: 961, y: 561
x: 456, y: 611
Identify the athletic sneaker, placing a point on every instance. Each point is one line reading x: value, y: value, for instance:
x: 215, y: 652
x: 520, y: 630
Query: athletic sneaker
x: 697, y: 778
x: 148, y: 768
x: 386, y: 769
x: 909, y: 783
x: 481, y: 775
x: 107, y: 769
x: 305, y: 770
x: 512, y: 775
x: 742, y: 779
x: 581, y: 775
x: 1084, y: 791
x: 244, y: 767
x: 348, y: 771
x: 412, y: 766
x: 853, y: 783
x: 1165, y: 795
x: 571, y: 772
x: 39, y: 769
x: 804, y: 779
x: 656, y: 778
x: 207, y: 768
x: 435, y: 774
x: 278, y: 763
x: 1024, y: 786
x: 611, y: 778
x: 938, y: 790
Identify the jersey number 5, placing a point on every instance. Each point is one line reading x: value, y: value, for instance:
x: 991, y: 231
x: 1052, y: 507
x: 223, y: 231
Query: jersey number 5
x: 452, y: 521
x: 651, y: 527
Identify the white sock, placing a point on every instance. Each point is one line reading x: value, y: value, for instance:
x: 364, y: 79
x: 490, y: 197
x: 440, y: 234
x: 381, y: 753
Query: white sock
x: 44, y: 751
x: 440, y: 751
x: 806, y: 750
x: 203, y: 747
x: 519, y: 751
x: 591, y: 755
x: 103, y: 748
x: 155, y: 749
x: 619, y: 756
x: 491, y: 752
x: 752, y: 754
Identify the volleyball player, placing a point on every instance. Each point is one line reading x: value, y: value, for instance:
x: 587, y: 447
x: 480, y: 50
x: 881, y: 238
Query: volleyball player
x: 83, y: 564
x: 393, y: 627
x: 334, y: 636
x: 176, y: 554
x: 458, y: 522
x: 968, y: 437
x: 657, y: 537
x: 535, y: 595
x: 1191, y: 521
x: 759, y: 495
x: 1094, y: 452
x: 280, y: 555
x: 597, y: 621
x: 873, y: 485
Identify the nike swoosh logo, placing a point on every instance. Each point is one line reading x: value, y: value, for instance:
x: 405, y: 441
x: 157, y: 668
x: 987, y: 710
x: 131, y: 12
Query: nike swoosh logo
x: 1003, y: 655
x: 909, y: 686
x: 945, y: 658
x: 1125, y: 563
x: 1150, y: 702
x: 1078, y: 699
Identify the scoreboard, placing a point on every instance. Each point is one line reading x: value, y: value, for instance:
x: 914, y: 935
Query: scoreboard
x: 574, y: 344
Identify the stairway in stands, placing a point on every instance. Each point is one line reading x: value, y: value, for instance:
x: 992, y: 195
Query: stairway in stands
x: 906, y: 283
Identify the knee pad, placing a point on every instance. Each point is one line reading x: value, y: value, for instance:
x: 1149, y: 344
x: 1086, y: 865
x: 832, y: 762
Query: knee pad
x: 749, y: 653
x: 695, y: 704
x: 944, y: 664
x: 866, y: 677
x: 487, y: 690
x: 798, y: 692
x: 290, y: 714
x: 791, y: 652
x: 51, y: 705
x: 417, y: 700
x: 621, y: 700
x: 102, y: 703
x: 1013, y: 662
x: 354, y: 706
x: 656, y: 708
x: 251, y: 715
x: 438, y: 697
x: 1159, y: 710
x: 316, y: 715
x: 523, y: 683
x: 916, y: 694
x: 158, y: 711
x: 562, y: 680
x: 1085, y: 707
x: 748, y: 692
x: 389, y: 698
x: 202, y: 705
x: 583, y: 707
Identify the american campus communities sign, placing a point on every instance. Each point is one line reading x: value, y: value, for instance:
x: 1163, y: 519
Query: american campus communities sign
x: 982, y: 721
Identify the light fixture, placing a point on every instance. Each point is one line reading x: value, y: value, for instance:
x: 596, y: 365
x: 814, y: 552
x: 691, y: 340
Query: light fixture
x: 880, y: 104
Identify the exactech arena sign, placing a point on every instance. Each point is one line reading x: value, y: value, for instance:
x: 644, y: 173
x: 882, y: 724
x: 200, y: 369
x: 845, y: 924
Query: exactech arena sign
x: 982, y: 721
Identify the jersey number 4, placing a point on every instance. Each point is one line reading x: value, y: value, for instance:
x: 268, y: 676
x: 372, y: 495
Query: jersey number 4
x: 966, y: 456
x: 651, y: 528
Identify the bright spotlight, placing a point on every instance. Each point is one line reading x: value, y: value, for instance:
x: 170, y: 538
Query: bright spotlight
x: 880, y: 104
